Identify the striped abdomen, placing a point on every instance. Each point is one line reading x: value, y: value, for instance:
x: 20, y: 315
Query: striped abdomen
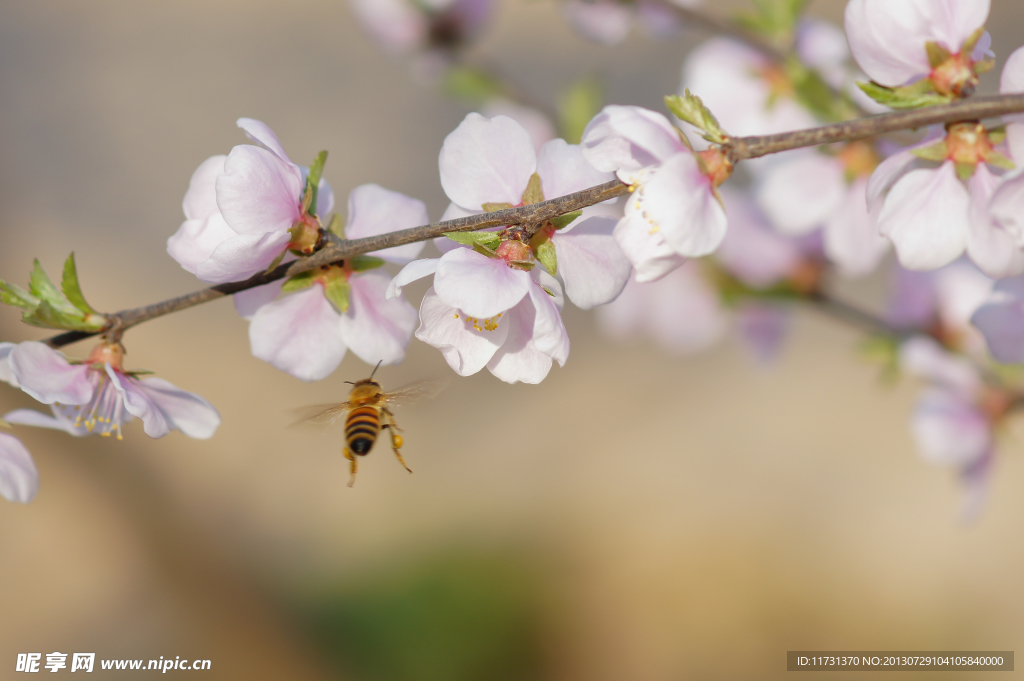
x: 361, y: 428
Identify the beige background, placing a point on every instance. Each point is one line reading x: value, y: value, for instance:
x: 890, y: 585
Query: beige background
x: 654, y: 517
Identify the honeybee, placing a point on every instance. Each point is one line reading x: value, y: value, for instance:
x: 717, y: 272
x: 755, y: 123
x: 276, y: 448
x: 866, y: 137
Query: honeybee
x: 368, y: 411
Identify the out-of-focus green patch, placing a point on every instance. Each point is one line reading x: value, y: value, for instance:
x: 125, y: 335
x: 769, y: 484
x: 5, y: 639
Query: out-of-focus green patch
x: 454, y: 616
x: 577, y: 105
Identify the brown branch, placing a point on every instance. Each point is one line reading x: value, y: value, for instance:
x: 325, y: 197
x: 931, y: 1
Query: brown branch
x: 339, y: 249
x: 738, y: 148
x: 976, y: 108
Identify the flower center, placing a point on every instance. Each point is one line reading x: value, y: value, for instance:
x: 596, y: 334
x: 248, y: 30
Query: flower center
x: 104, y: 412
x: 715, y: 164
x: 489, y: 324
x: 955, y: 76
x: 968, y: 143
x: 306, y: 234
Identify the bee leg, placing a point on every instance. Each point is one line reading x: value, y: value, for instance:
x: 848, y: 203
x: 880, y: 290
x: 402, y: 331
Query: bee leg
x: 352, y: 468
x: 391, y: 420
x: 396, y: 442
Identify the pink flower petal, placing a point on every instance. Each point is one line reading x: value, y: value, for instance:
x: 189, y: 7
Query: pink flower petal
x: 138, y: 403
x: 753, y: 251
x: 1001, y: 321
x: 590, y: 262
x: 533, y: 121
x: 375, y: 328
x: 373, y: 210
x: 242, y: 256
x: 925, y: 216
x: 396, y: 24
x: 992, y: 247
x: 563, y: 169
x: 923, y: 357
x: 948, y: 429
x: 19, y: 479
x: 258, y: 192
x: 201, y: 198
x: 260, y: 133
x: 6, y: 375
x: 678, y: 201
x: 477, y: 285
x: 487, y: 161
x: 466, y: 349
x: 300, y: 334
x: 629, y: 138
x: 887, y: 173
x: 852, y: 240
x: 47, y: 376
x: 417, y: 269
x: 801, y: 192
x: 247, y: 302
x: 178, y: 409
x: 603, y: 21
x: 763, y: 327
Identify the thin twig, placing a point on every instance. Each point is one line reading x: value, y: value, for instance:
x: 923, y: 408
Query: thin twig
x: 974, y: 109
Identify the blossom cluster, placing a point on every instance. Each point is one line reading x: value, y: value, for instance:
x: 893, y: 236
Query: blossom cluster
x: 687, y: 253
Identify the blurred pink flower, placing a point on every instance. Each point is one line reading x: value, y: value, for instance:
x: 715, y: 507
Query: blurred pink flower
x: 608, y: 21
x: 19, y: 479
x: 404, y: 26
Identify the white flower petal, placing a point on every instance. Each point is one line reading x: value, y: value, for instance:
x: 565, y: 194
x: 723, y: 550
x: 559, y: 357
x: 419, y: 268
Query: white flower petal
x: 6, y: 375
x: 993, y: 247
x: 678, y: 201
x: 603, y: 21
x: 925, y: 216
x: 752, y: 251
x: 925, y: 358
x: 1001, y: 321
x: 948, y: 429
x: 375, y: 328
x: 487, y: 161
x: 200, y: 200
x: 563, y: 169
x: 645, y: 248
x: 549, y: 334
x: 466, y: 349
x: 258, y: 192
x: 242, y: 256
x: 299, y: 334
x: 629, y: 138
x: 247, y: 302
x: 196, y: 240
x: 373, y: 210
x: 478, y: 285
x: 260, y: 133
x: 590, y: 262
x: 519, y: 359
x: 47, y: 376
x: 417, y: 269
x: 19, y: 479
x: 178, y: 409
x: 533, y: 121
x: 56, y: 421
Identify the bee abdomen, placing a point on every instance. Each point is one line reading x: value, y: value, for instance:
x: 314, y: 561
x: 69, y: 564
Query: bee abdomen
x: 361, y: 429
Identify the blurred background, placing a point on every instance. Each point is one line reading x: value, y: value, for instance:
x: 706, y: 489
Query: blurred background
x: 637, y: 515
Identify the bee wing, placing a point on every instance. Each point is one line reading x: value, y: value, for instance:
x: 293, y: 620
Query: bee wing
x: 321, y: 414
x: 414, y: 392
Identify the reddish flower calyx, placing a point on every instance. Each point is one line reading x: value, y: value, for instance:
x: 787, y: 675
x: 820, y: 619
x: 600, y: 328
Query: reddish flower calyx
x: 955, y: 76
x: 716, y: 165
x: 306, y: 234
x: 107, y: 353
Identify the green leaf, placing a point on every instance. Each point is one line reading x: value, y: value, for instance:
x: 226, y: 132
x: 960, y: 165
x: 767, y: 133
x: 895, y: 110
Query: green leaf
x: 984, y: 66
x: 49, y: 317
x: 577, y: 106
x: 337, y: 227
x: 937, y: 54
x: 533, y: 192
x: 72, y: 290
x: 937, y: 152
x: 337, y: 291
x: 546, y: 255
x: 485, y: 250
x: 774, y: 19
x: 920, y: 94
x: 316, y: 171
x: 361, y: 263
x: 811, y: 90
x: 276, y: 261
x: 1000, y: 161
x: 17, y: 296
x: 971, y: 42
x: 562, y: 221
x: 474, y: 85
x: 40, y: 285
x: 691, y: 109
x: 490, y: 240
x: 492, y: 207
x: 965, y: 170
x: 525, y: 265
x: 299, y: 281
x: 997, y: 135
